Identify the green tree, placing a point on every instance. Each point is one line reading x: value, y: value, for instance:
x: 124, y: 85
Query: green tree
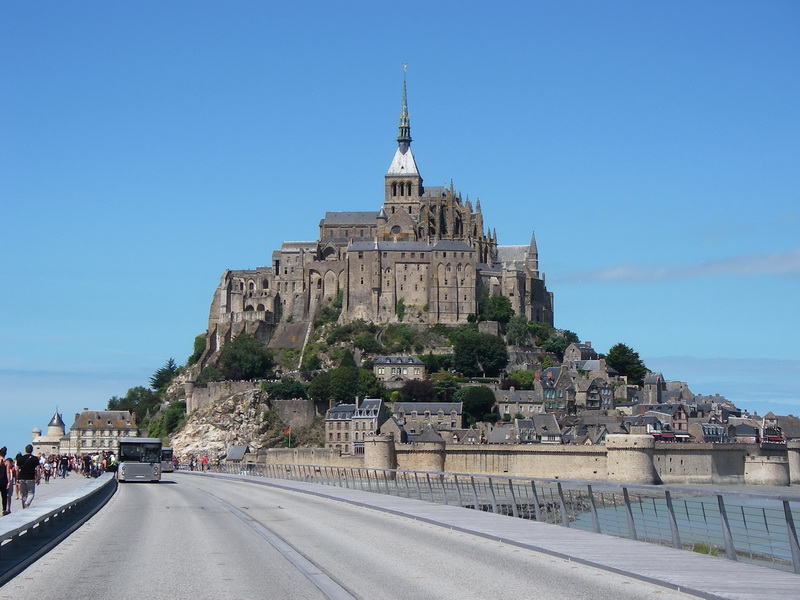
x: 318, y: 388
x: 494, y: 308
x: 139, y: 400
x: 418, y: 390
x: 198, y: 349
x: 285, y: 389
x: 245, y: 357
x: 168, y: 420
x: 477, y: 400
x: 400, y: 309
x: 445, y: 386
x: 626, y: 361
x: 478, y: 354
x: 347, y: 359
x: 368, y: 343
x: 344, y: 384
x: 370, y: 386
x: 163, y: 377
x: 517, y: 330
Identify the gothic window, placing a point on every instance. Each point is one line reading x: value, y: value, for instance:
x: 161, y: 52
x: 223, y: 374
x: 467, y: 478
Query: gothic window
x: 265, y: 284
x: 394, y: 189
x: 251, y: 286
x: 408, y: 187
x: 409, y: 208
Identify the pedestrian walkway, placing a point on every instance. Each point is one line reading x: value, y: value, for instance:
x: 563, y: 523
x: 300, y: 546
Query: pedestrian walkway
x: 701, y: 575
x: 56, y: 487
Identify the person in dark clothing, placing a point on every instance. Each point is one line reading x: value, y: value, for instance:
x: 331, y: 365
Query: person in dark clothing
x: 28, y: 474
x: 5, y: 482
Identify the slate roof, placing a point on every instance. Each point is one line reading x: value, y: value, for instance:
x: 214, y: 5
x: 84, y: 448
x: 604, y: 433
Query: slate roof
x: 508, y: 254
x: 56, y: 421
x: 517, y: 396
x: 429, y: 434
x: 403, y: 163
x: 434, y: 191
x: 350, y: 218
x: 397, y: 360
x: 369, y: 407
x: 340, y: 412
x: 120, y: 419
x: 236, y: 453
x: 432, y: 407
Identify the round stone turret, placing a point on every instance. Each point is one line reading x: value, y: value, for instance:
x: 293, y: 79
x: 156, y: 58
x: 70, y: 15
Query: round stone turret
x: 630, y: 459
x: 379, y: 452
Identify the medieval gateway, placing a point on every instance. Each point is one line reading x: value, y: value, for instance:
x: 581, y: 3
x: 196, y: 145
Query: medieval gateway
x: 424, y: 255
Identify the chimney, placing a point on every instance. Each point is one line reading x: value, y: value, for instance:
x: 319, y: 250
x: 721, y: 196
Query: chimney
x: 589, y: 344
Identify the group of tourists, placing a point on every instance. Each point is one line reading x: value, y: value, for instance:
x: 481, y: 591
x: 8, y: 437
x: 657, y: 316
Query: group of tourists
x: 203, y: 464
x: 20, y: 475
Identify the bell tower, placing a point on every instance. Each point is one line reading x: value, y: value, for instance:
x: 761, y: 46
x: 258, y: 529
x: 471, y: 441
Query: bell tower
x: 403, y: 183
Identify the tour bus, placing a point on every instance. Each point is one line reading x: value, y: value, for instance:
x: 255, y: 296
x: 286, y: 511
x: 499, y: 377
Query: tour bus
x: 139, y: 459
x: 166, y: 460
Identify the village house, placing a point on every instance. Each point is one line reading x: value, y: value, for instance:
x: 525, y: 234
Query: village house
x: 394, y: 371
x: 348, y: 425
x: 443, y: 416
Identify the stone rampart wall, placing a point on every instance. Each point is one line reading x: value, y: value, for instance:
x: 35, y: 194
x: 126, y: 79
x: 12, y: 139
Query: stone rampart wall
x: 690, y: 464
x: 321, y: 457
x: 201, y: 396
x: 530, y: 460
x: 298, y: 412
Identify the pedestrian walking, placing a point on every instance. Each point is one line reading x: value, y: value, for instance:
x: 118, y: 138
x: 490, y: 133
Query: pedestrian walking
x: 29, y: 473
x: 12, y: 484
x: 5, y: 482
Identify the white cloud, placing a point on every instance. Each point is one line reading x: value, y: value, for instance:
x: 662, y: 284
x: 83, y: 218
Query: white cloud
x: 782, y: 264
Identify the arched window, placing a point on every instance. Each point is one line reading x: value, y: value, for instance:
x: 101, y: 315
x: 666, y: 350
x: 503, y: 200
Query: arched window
x: 394, y: 189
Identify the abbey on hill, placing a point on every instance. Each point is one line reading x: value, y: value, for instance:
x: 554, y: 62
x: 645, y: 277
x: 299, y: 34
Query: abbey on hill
x: 424, y: 250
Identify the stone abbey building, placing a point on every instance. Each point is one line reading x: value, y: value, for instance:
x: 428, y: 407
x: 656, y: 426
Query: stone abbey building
x: 424, y: 255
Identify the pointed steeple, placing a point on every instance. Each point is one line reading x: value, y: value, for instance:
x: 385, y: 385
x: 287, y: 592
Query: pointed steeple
x: 404, y: 135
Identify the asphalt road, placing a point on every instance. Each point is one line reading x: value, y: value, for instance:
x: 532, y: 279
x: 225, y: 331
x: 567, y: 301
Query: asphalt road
x: 197, y: 538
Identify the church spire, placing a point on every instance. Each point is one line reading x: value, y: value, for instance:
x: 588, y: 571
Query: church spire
x: 404, y: 135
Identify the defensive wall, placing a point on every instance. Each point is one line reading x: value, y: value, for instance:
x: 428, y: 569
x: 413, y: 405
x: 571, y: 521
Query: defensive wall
x: 205, y: 394
x: 624, y: 459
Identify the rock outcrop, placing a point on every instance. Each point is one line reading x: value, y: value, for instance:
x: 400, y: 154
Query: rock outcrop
x: 240, y: 419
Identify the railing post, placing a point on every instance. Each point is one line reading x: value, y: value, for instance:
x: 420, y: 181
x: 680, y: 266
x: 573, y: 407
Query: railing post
x: 419, y: 488
x: 430, y: 485
x: 730, y: 550
x: 386, y: 482
x: 790, y: 529
x: 369, y: 481
x: 458, y: 490
x: 537, y: 512
x: 474, y: 492
x: 629, y: 514
x: 593, y: 509
x: 494, y: 499
x: 564, y: 517
x: 673, y: 522
x: 444, y: 489
x: 514, y: 511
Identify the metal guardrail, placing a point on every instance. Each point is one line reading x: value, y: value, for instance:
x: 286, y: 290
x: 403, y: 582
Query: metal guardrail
x: 751, y: 527
x: 27, y: 535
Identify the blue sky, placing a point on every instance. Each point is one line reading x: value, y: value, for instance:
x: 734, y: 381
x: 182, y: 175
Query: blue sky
x: 147, y: 147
